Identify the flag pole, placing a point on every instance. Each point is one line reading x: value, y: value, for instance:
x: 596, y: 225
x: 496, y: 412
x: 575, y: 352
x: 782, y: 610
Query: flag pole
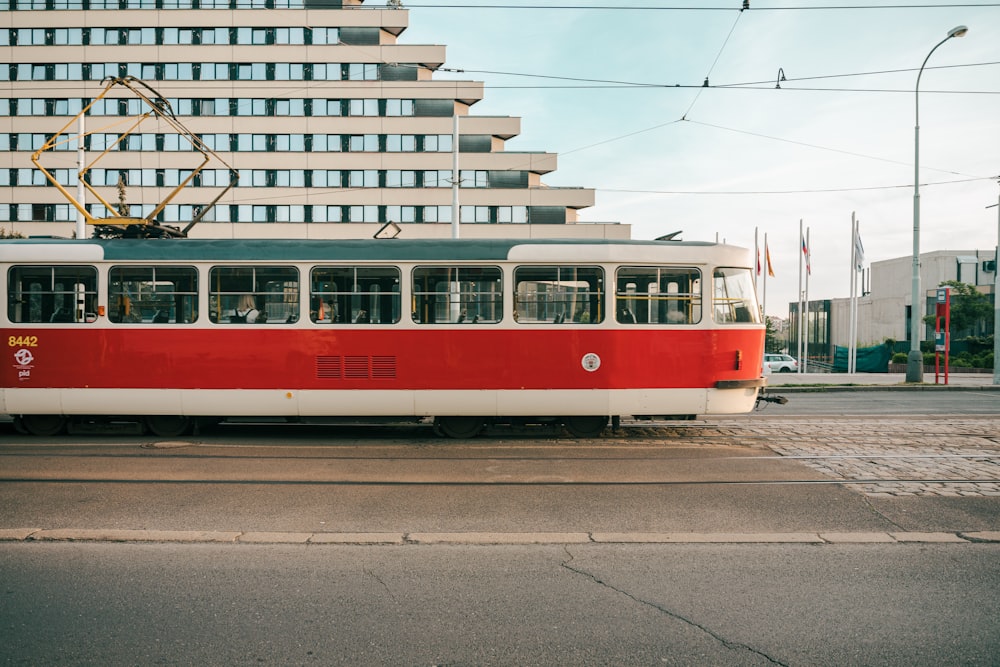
x: 756, y: 254
x: 799, y: 328
x: 850, y: 303
x: 767, y: 267
x: 805, y: 333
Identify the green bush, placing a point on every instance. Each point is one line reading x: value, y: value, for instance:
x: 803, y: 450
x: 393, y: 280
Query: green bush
x: 899, y: 358
x: 960, y: 360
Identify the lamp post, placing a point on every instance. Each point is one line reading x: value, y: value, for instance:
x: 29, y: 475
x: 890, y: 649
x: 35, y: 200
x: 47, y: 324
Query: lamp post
x: 915, y: 360
x: 996, y: 302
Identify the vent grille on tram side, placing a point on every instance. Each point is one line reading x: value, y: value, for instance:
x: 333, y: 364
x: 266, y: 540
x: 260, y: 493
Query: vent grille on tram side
x: 355, y: 368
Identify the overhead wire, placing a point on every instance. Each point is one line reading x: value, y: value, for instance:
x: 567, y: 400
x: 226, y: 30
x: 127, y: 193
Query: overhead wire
x: 716, y: 61
x: 822, y: 148
x: 749, y: 85
x: 796, y: 192
x: 699, y: 8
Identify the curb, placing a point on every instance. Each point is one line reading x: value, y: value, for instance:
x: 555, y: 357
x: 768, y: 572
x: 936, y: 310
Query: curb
x: 803, y: 389
x: 486, y: 538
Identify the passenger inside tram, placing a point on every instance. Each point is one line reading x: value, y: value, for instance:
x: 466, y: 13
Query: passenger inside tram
x: 246, y: 311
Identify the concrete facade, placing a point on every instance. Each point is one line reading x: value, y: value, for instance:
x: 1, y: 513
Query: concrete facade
x: 882, y: 313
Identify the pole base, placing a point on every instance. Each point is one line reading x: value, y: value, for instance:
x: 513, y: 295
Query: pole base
x: 914, y: 366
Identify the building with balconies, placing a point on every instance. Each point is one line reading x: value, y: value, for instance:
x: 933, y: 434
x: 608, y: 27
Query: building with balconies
x: 334, y: 125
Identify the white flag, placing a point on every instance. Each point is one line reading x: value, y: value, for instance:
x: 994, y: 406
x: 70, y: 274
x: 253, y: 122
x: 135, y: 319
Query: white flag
x: 859, y: 251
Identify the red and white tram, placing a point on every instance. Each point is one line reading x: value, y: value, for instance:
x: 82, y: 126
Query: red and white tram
x: 468, y: 332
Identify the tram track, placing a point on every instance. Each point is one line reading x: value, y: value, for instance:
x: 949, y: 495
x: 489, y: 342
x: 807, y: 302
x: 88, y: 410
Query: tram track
x: 905, y: 470
x: 492, y: 457
x: 873, y: 457
x: 495, y: 483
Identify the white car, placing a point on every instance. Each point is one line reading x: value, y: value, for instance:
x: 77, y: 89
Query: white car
x: 780, y: 363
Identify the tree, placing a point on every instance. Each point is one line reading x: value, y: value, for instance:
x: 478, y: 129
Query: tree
x: 969, y: 307
x: 772, y: 340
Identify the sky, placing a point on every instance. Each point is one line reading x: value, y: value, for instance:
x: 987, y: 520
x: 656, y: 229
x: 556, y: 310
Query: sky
x: 618, y: 93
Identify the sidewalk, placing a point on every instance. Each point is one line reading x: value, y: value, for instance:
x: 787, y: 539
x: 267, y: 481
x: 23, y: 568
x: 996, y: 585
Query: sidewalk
x: 847, y: 381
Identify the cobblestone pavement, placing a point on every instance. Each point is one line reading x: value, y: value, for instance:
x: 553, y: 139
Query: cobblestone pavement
x: 882, y: 457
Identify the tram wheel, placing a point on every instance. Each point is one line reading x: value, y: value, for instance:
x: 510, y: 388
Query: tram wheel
x: 460, y: 427
x: 586, y: 427
x: 168, y: 426
x: 43, y: 424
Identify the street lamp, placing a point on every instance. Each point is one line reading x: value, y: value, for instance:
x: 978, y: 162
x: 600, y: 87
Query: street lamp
x: 915, y: 360
x: 996, y: 301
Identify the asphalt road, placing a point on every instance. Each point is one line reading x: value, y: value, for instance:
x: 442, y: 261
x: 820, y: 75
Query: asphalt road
x: 516, y: 548
x: 127, y: 604
x: 872, y: 401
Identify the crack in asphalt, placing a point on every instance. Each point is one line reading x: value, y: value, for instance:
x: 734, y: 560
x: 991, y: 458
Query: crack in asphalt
x: 738, y: 646
x: 371, y: 575
x: 877, y: 512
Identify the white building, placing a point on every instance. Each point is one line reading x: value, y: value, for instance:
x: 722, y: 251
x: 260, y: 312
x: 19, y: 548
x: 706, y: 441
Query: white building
x: 884, y: 311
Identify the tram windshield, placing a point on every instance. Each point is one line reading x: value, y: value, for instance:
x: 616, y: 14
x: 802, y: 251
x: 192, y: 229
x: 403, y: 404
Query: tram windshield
x: 733, y: 297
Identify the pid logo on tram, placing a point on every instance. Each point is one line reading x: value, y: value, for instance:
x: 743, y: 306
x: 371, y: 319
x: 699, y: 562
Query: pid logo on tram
x: 23, y: 359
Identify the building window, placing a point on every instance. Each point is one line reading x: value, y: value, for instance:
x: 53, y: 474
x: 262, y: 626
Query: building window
x: 437, y: 214
x: 362, y: 214
x: 363, y: 178
x: 475, y: 214
x: 400, y: 178
x: 320, y: 35
x: 400, y: 214
x: 512, y: 214
x: 469, y: 178
x: 367, y: 143
x: 401, y: 143
x: 368, y: 107
x: 362, y: 72
x: 440, y: 178
x: 399, y: 108
x: 437, y: 143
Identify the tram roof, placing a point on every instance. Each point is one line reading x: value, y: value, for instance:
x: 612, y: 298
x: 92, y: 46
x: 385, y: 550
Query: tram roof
x: 53, y: 249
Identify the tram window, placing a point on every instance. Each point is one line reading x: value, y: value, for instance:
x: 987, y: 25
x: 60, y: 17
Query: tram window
x: 63, y: 294
x: 355, y: 295
x: 273, y: 292
x: 457, y: 295
x: 558, y: 294
x: 657, y: 295
x: 152, y: 294
x: 733, y: 297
